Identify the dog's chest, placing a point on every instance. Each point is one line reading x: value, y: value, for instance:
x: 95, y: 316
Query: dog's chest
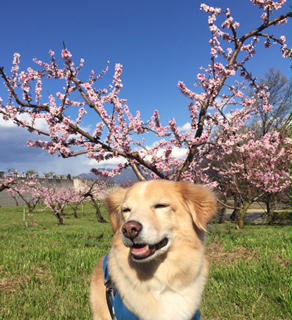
x: 164, y: 303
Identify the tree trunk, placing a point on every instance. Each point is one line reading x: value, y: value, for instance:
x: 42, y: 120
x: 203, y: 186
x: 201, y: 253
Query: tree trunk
x: 221, y: 214
x: 242, y: 215
x: 99, y: 216
x: 60, y: 219
x: 75, y: 214
x: 237, y: 204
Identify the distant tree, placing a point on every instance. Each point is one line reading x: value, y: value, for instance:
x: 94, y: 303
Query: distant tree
x: 50, y: 174
x: 96, y: 191
x: 57, y: 200
x: 12, y: 172
x: 27, y: 191
x: 279, y: 117
x: 31, y: 174
x: 249, y: 171
x: 75, y: 204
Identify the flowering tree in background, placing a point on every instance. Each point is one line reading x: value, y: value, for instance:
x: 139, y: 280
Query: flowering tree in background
x: 254, y: 167
x: 28, y: 191
x: 219, y: 109
x: 33, y: 192
x: 96, y: 191
x: 76, y: 201
x: 277, y: 122
x: 57, y: 199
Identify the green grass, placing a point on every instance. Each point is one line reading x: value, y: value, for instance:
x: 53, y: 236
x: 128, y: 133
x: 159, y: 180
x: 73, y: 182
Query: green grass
x: 250, y: 274
x: 45, y: 269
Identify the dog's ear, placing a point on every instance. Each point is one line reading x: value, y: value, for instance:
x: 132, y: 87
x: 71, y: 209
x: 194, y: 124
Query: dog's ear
x: 113, y: 203
x: 201, y: 202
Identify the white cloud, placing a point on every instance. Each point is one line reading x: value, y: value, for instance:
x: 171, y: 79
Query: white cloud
x: 111, y: 163
x: 185, y: 127
x: 6, y: 124
x: 179, y: 153
x: 39, y: 123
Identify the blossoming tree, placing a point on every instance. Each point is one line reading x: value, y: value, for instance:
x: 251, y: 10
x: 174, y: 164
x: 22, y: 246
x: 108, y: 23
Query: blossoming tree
x: 96, y: 191
x: 57, y: 199
x: 27, y: 190
x: 218, y: 110
x: 254, y: 167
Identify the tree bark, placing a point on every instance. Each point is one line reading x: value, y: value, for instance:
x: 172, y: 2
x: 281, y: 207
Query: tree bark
x: 99, y: 216
x: 60, y: 219
x: 242, y: 215
x: 237, y: 204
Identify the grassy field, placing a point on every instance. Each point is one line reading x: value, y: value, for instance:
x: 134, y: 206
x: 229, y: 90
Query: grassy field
x: 45, y: 268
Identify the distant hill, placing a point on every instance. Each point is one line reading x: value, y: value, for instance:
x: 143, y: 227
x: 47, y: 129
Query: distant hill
x: 125, y: 177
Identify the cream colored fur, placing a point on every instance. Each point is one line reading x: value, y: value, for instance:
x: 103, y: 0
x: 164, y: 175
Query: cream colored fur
x: 170, y: 283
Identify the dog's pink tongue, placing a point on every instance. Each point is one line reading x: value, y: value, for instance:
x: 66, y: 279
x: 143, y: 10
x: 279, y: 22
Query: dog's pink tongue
x: 141, y: 252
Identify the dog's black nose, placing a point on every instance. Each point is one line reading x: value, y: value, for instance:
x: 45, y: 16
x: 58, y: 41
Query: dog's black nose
x: 131, y: 229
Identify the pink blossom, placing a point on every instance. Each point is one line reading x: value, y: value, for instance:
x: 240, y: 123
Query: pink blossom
x: 66, y: 54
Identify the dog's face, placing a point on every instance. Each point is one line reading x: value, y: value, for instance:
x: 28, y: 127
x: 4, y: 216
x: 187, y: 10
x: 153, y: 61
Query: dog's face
x: 151, y: 215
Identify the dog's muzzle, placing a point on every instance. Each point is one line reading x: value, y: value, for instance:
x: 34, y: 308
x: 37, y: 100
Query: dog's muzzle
x: 139, y: 251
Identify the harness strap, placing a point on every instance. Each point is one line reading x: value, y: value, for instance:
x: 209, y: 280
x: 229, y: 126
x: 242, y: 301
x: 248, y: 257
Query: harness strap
x: 197, y: 316
x: 110, y: 288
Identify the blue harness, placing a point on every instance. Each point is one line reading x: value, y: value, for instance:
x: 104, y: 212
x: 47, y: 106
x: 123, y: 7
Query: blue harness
x: 116, y: 306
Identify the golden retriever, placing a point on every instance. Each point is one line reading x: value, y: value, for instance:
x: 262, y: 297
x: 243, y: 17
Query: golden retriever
x: 156, y: 261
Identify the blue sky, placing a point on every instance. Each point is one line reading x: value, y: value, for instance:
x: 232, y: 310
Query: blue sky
x: 159, y: 42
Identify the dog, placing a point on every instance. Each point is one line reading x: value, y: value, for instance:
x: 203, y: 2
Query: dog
x: 156, y: 262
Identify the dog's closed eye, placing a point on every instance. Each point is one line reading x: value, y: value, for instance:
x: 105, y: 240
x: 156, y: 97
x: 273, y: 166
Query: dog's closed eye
x: 126, y: 210
x: 161, y: 205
